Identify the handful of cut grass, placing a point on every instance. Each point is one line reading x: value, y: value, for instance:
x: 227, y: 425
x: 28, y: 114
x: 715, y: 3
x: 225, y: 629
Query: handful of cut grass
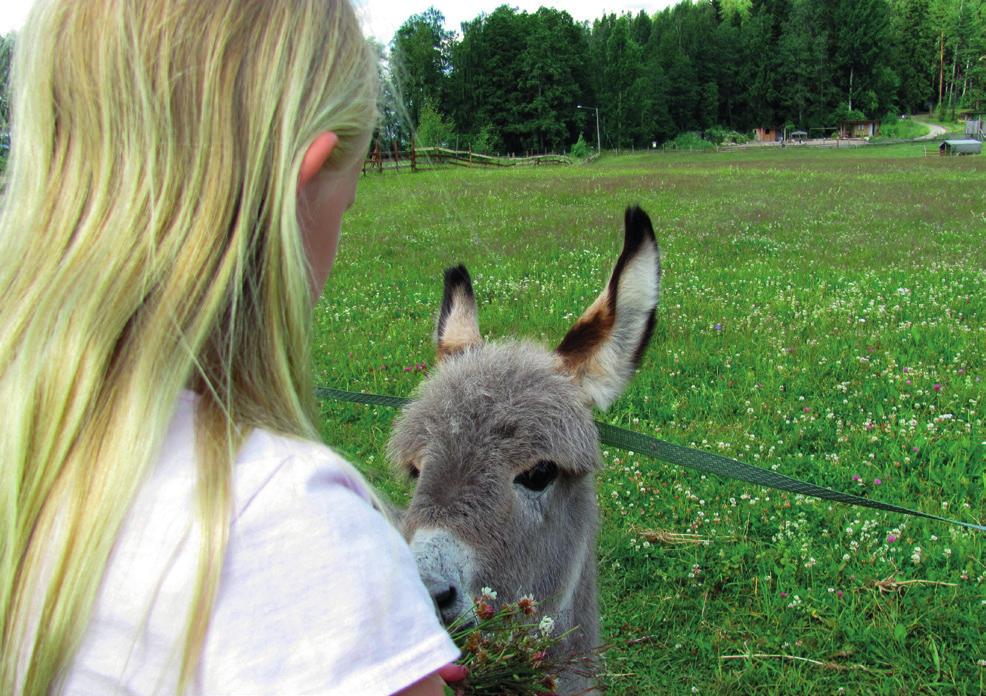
x: 508, y: 650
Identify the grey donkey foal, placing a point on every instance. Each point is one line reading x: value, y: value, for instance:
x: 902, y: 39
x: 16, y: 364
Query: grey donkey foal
x: 501, y: 441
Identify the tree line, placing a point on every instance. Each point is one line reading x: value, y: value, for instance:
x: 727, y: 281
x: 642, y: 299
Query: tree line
x: 6, y: 57
x: 512, y: 81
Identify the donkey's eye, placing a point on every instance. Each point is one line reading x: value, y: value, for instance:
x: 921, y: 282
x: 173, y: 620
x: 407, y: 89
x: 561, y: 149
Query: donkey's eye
x: 539, y: 476
x: 413, y: 471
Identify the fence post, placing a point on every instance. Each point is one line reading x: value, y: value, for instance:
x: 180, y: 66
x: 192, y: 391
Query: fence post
x: 414, y: 162
x: 397, y: 156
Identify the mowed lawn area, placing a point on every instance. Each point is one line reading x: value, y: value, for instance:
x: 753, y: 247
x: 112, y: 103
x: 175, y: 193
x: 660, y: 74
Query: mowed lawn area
x: 823, y: 314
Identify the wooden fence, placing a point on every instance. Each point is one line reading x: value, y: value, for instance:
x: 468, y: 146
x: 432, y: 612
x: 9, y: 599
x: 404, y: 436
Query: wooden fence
x: 424, y: 158
x: 832, y: 143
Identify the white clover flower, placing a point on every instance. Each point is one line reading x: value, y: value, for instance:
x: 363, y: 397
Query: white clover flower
x: 546, y: 626
x: 487, y: 593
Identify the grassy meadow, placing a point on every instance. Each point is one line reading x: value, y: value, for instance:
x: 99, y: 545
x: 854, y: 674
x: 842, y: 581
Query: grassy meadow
x: 823, y: 313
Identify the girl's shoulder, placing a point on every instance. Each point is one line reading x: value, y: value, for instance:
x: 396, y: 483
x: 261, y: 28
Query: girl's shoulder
x: 335, y: 582
x: 293, y: 467
x: 268, y: 464
x: 318, y: 592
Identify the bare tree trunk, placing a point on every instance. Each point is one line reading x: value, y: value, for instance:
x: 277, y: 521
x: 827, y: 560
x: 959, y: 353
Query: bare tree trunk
x: 619, y: 127
x: 951, y: 85
x: 851, y: 71
x: 941, y: 71
x: 955, y: 61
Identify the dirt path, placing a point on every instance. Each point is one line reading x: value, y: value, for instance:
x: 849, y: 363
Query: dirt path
x: 936, y: 132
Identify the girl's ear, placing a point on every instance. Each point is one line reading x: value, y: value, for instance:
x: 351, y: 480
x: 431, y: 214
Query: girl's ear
x: 458, y: 320
x: 316, y: 156
x: 601, y: 351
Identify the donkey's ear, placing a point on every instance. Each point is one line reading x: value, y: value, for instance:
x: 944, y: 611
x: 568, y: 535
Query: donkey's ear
x: 458, y: 324
x: 602, y: 350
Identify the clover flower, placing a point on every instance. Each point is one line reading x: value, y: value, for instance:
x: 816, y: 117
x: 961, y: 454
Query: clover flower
x: 528, y: 605
x: 505, y: 652
x: 484, y: 611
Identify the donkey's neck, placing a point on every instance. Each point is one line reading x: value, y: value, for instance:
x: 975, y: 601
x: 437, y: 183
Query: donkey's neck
x: 567, y: 604
x: 578, y: 609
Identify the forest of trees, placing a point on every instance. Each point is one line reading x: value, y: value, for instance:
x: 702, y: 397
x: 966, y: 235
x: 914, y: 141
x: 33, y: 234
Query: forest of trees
x: 512, y: 80
x: 6, y: 55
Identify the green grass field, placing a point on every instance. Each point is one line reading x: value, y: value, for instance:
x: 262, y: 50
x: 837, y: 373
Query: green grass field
x: 823, y: 313
x: 903, y: 129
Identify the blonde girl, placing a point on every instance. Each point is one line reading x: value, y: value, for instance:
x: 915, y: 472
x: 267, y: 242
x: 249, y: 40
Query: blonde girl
x: 171, y: 210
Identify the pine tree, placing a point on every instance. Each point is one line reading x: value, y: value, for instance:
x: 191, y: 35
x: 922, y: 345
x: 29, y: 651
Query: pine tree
x: 419, y: 60
x: 915, y: 53
x: 759, y: 70
x: 862, y: 50
x: 620, y: 74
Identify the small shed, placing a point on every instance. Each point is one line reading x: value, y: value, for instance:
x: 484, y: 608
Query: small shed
x: 859, y: 129
x: 768, y: 135
x: 960, y: 147
x: 799, y: 136
x: 976, y: 128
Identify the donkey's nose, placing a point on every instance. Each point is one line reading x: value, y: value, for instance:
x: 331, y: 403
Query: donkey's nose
x: 445, y: 598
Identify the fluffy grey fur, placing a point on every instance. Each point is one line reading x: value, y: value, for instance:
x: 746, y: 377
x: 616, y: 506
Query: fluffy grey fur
x: 491, y: 412
x: 484, y: 417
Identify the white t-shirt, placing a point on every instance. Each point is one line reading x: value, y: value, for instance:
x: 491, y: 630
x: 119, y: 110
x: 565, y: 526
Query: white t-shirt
x: 318, y: 594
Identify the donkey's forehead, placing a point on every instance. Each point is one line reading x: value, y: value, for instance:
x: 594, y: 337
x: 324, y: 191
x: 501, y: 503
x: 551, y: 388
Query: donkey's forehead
x: 511, y: 376
x: 507, y: 396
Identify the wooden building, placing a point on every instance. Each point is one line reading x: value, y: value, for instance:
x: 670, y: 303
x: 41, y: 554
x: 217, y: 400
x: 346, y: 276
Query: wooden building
x: 859, y: 129
x: 769, y: 135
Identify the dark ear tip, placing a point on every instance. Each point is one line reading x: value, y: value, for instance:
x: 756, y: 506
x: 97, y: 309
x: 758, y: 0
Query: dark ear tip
x: 457, y: 276
x: 637, y: 225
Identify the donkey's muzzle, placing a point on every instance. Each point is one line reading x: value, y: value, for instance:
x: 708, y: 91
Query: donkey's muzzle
x: 446, y: 567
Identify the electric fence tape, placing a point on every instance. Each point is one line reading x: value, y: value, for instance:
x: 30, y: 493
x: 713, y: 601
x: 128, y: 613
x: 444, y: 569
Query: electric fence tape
x: 716, y: 464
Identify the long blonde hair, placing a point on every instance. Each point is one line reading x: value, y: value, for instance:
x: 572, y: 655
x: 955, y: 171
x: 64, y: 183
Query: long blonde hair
x: 150, y: 242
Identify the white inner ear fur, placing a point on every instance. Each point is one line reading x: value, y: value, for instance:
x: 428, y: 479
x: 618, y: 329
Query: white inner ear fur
x: 461, y: 329
x: 638, y: 290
